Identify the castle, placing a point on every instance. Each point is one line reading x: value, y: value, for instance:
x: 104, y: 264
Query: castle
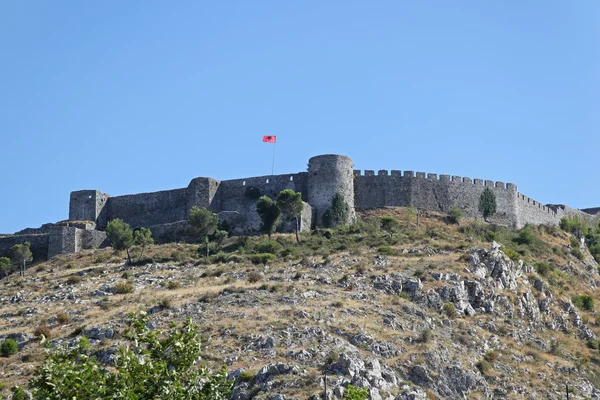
x: 166, y: 212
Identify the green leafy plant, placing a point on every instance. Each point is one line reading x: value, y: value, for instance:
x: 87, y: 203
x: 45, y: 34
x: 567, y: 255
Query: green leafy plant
x: 355, y: 393
x: 389, y: 225
x: 120, y: 236
x: 449, y: 310
x: 20, y: 254
x: 153, y: 365
x: 8, y: 348
x: 584, y: 302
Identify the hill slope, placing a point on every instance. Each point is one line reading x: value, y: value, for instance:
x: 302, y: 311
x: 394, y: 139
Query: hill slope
x: 434, y: 311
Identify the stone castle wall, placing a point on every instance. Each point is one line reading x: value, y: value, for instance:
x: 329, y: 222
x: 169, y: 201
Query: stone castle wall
x: 433, y: 192
x: 166, y: 212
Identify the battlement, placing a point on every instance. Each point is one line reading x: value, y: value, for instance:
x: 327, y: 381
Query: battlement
x: 327, y: 176
x: 434, y: 177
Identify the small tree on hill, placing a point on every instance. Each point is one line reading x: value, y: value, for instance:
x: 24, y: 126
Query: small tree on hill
x: 390, y: 225
x: 487, y: 203
x: 203, y: 223
x: 6, y: 267
x: 291, y: 206
x: 120, y: 236
x: 20, y: 254
x: 142, y: 237
x: 269, y: 214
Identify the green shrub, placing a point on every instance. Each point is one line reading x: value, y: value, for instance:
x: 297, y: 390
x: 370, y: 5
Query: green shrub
x: 173, y: 285
x: 8, y: 348
x: 425, y: 336
x: 525, y: 236
x: 543, y: 268
x: 246, y: 376
x: 385, y: 250
x: 484, y: 367
x: 513, y: 255
x: 268, y: 246
x: 574, y: 225
x: 449, y: 310
x: 491, y: 356
x: 262, y: 258
x: 254, y: 277
x: 355, y: 393
x: 592, y: 344
x: 63, y: 318
x: 152, y: 365
x: 584, y: 302
x: 18, y: 393
x: 122, y: 288
x: 454, y: 215
x: 73, y: 280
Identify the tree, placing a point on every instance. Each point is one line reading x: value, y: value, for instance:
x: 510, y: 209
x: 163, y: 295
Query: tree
x: 269, y: 214
x: 203, y: 223
x: 151, y: 365
x: 389, y: 224
x: 487, y: 203
x: 339, y: 210
x: 20, y: 254
x: 291, y: 206
x: 6, y: 267
x: 142, y: 237
x: 120, y: 236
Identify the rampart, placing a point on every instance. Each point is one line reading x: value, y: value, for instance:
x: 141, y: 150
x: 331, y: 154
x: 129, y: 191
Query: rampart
x: 166, y: 212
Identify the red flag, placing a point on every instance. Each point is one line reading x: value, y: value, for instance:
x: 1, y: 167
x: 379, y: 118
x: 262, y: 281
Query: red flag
x: 269, y: 139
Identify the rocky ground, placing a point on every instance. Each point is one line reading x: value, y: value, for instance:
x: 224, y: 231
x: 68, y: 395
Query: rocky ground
x: 439, y: 311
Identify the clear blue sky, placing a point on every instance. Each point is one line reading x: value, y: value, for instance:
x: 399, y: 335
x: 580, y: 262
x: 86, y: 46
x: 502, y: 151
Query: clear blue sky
x: 139, y: 96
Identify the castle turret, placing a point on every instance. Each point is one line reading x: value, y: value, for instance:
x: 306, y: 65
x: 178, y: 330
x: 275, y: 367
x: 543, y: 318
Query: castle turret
x: 329, y: 175
x: 88, y: 205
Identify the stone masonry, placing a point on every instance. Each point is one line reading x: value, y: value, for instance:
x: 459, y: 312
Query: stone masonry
x: 166, y: 212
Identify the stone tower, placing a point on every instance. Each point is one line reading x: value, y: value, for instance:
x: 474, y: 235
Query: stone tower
x: 327, y: 175
x: 88, y: 205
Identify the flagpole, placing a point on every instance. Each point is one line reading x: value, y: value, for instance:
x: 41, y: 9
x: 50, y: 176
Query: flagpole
x: 273, y: 165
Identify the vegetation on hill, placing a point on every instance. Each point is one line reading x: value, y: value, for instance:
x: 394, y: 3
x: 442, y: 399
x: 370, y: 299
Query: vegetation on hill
x: 381, y: 306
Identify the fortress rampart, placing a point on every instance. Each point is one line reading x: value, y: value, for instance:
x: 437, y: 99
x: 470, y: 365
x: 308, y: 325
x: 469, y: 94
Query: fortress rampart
x: 166, y: 212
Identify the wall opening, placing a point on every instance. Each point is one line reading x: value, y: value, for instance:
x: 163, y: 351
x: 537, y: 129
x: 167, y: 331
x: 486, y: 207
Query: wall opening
x: 267, y: 180
x: 90, y: 196
x: 291, y: 178
x: 244, y: 183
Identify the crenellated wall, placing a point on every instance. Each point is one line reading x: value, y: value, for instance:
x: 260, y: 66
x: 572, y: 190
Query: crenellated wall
x: 435, y: 192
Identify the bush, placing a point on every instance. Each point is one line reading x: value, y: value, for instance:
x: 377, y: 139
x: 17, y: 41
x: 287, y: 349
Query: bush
x: 355, y: 393
x: 262, y: 258
x: 425, y: 336
x: 63, y: 318
x: 254, y: 277
x: 152, y: 365
x: 173, y: 285
x: 122, y: 288
x: 385, y: 250
x: 592, y: 344
x: 42, y: 330
x: 484, y: 367
x: 73, y: 280
x: 525, y: 236
x: 8, y: 348
x: 268, y: 246
x: 513, y: 255
x: 543, y: 268
x: 454, y: 215
x: 491, y: 356
x: 573, y: 225
x: 165, y: 303
x: 449, y: 310
x: 584, y: 302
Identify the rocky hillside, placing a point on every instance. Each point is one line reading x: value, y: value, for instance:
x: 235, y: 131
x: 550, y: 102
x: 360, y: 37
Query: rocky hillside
x: 432, y: 311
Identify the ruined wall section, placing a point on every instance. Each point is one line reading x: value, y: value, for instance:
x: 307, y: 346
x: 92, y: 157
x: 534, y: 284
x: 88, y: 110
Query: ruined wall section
x: 145, y: 209
x: 39, y: 245
x: 430, y: 192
